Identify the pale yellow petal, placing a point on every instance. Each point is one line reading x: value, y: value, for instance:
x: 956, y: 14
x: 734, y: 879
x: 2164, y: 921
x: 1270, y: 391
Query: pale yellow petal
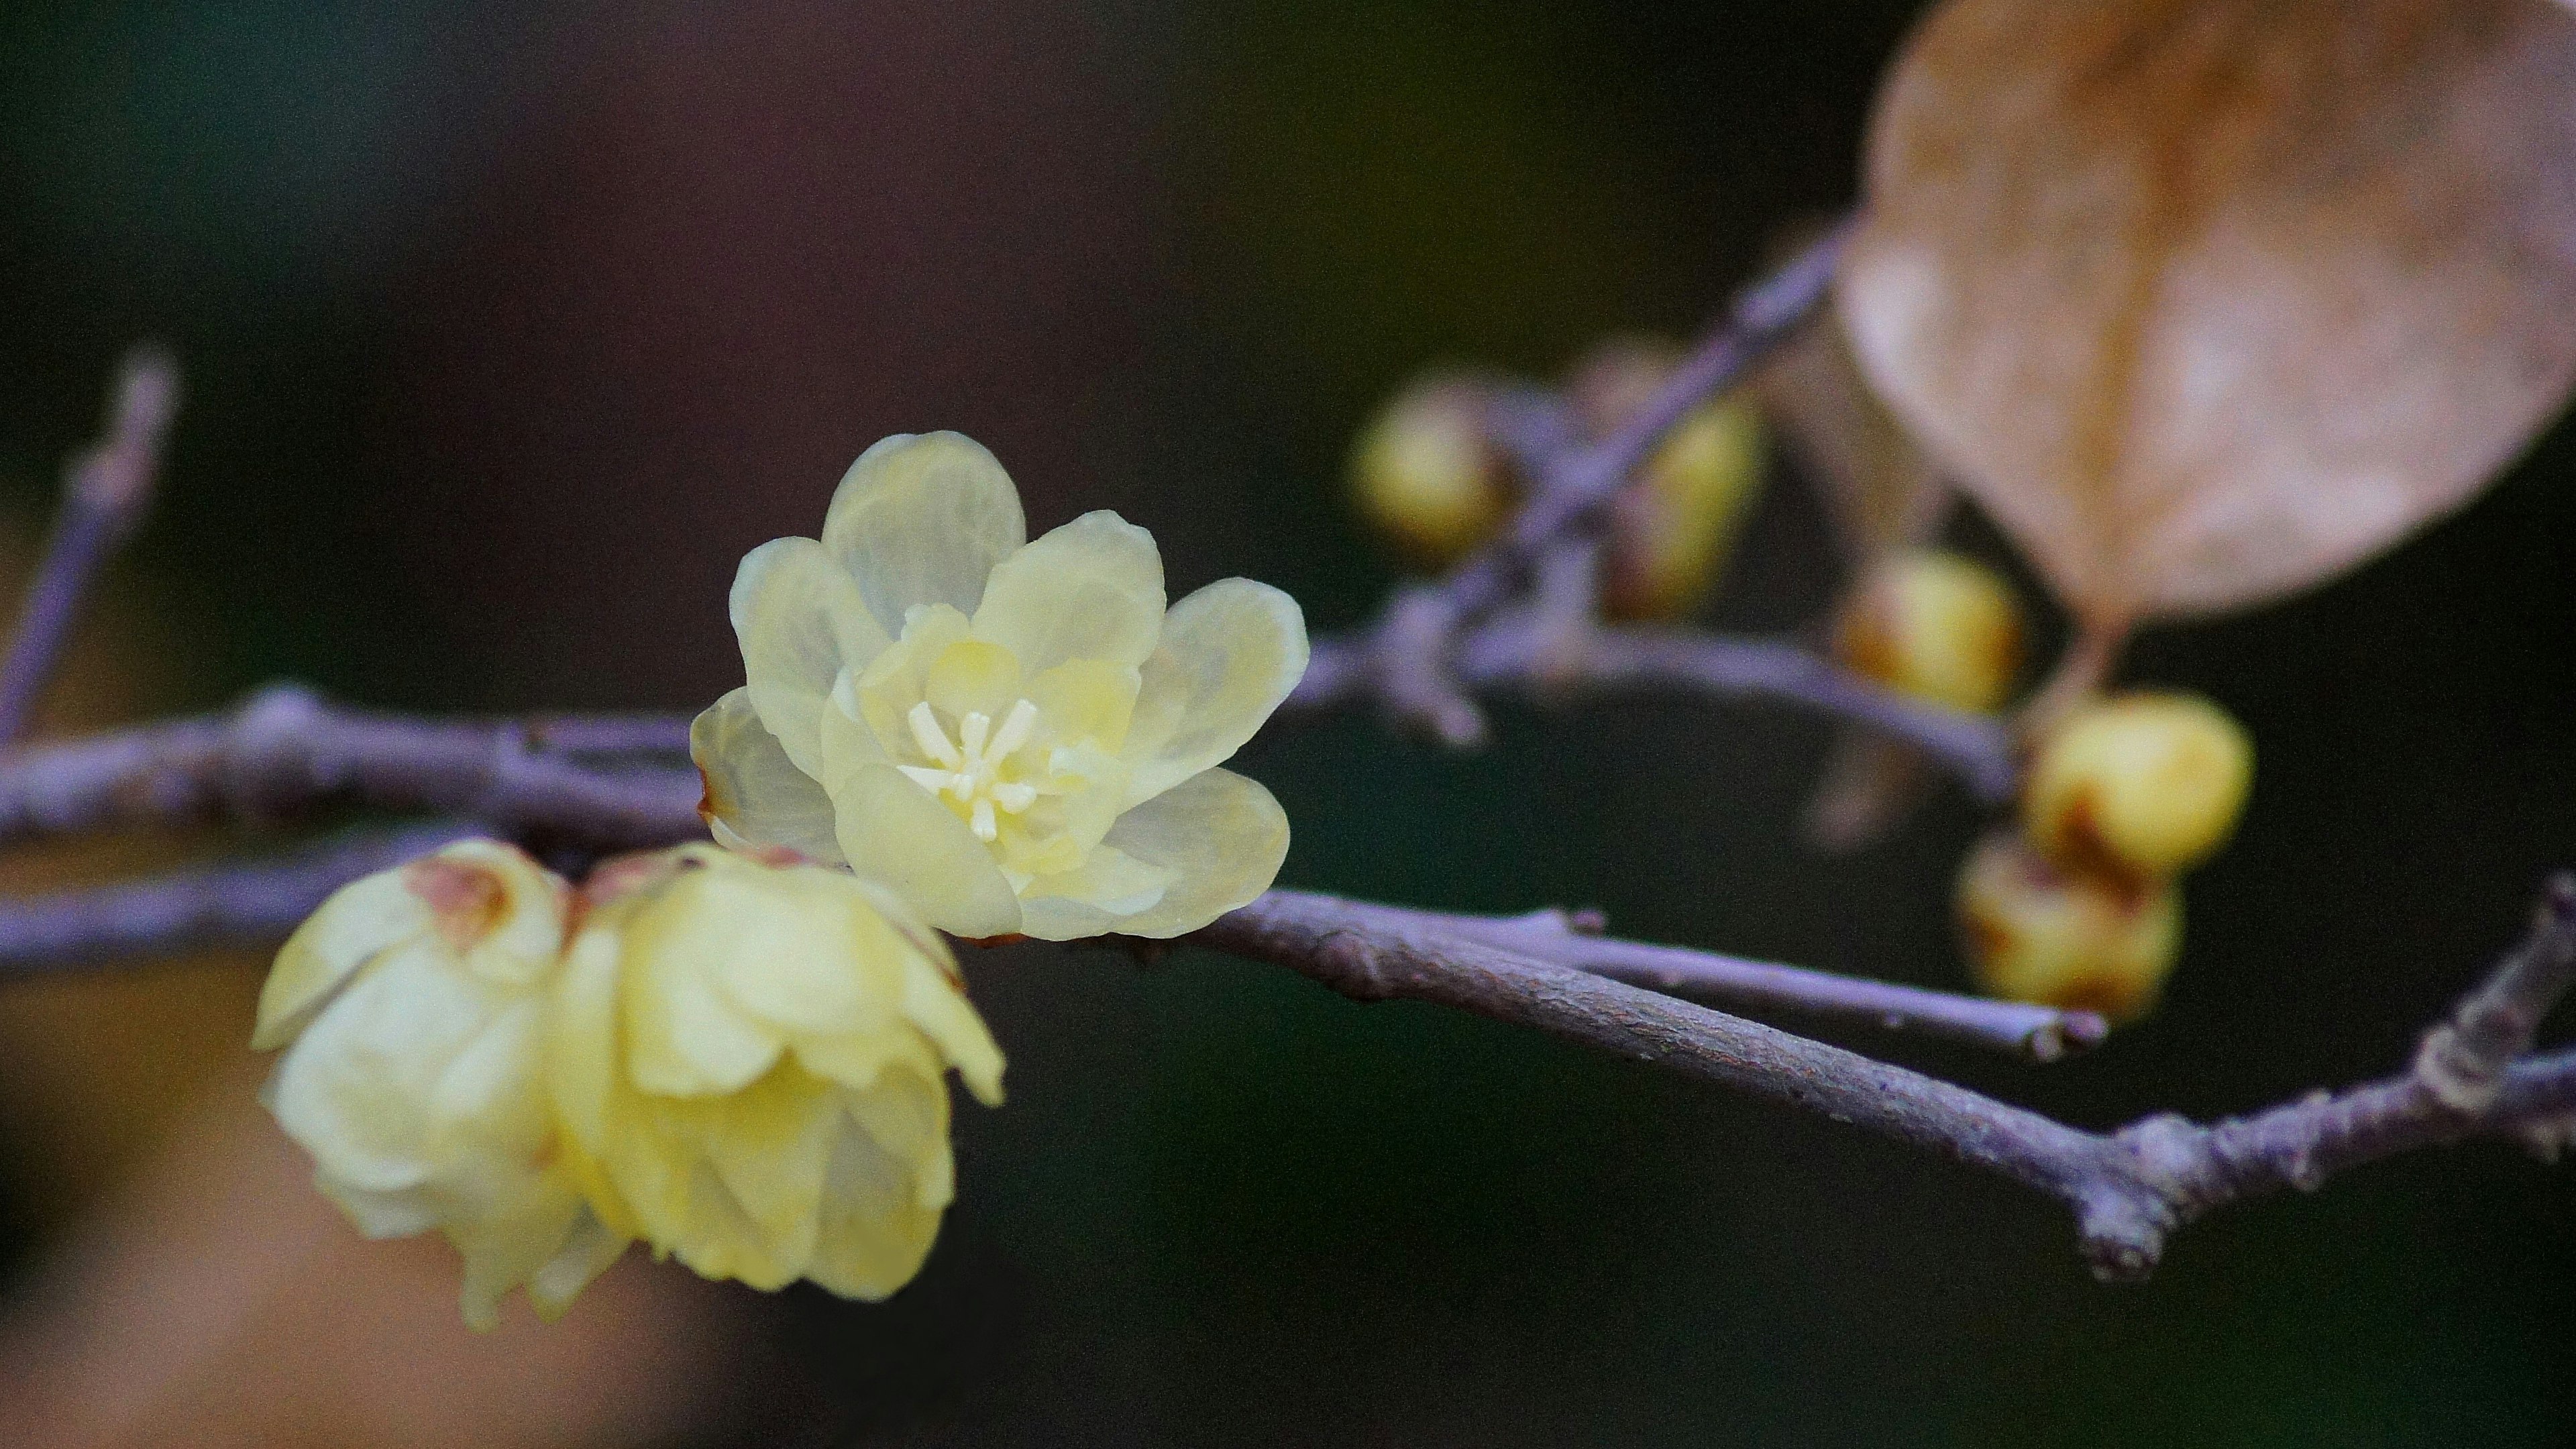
x: 800, y: 950
x: 718, y: 1238
x: 486, y: 1118
x: 922, y: 519
x: 875, y: 1230
x: 753, y: 790
x: 858, y: 1059
x: 1109, y: 889
x: 684, y: 1038
x: 883, y: 696
x: 895, y: 833
x: 582, y: 1054
x: 971, y: 675
x: 1222, y: 832
x: 939, y: 1009
x: 588, y: 1249
x: 1230, y: 653
x: 1086, y: 701
x: 358, y: 921
x: 768, y: 1148
x: 353, y: 1089
x: 1092, y: 589
x: 502, y: 1252
x: 800, y: 622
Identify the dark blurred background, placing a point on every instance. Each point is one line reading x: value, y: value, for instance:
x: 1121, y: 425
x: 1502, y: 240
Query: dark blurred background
x: 509, y: 328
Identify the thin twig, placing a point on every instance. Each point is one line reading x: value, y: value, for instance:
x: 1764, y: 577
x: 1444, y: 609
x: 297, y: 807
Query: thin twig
x: 2040, y: 1033
x: 106, y: 490
x: 286, y: 753
x: 237, y: 902
x: 2129, y: 1191
x: 2463, y: 1060
x: 1509, y: 654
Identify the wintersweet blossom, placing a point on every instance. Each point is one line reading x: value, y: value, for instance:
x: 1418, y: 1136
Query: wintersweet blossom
x: 749, y: 1062
x: 1015, y: 736
x: 412, y: 1009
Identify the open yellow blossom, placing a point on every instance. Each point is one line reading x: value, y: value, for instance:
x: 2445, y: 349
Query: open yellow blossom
x: 1015, y: 736
x: 411, y: 1007
x: 749, y: 1062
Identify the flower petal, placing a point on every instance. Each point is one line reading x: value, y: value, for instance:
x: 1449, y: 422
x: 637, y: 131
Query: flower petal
x: 1092, y: 589
x: 922, y: 519
x: 1086, y: 701
x: 354, y: 1088
x: 895, y: 833
x: 876, y: 1229
x: 358, y: 921
x: 1109, y: 889
x: 683, y: 1037
x: 588, y: 1248
x: 971, y: 675
x: 882, y: 696
x: 801, y: 621
x: 1222, y: 832
x: 1229, y: 654
x: 756, y: 796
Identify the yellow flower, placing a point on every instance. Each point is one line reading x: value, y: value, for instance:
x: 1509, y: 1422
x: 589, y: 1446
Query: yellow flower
x: 411, y: 1007
x: 1014, y: 736
x: 749, y: 1064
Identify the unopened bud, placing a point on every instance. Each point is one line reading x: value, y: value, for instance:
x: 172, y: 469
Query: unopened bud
x: 2147, y: 783
x: 1675, y: 527
x: 2036, y: 933
x: 1426, y: 474
x: 1932, y: 624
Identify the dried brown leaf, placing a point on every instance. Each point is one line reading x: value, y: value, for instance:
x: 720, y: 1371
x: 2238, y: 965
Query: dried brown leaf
x: 2208, y: 300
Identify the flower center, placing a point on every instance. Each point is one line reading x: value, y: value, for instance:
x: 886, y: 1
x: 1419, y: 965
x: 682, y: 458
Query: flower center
x: 968, y: 769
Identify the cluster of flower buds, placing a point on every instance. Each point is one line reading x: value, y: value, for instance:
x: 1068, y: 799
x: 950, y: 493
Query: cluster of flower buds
x: 2080, y: 907
x: 1429, y: 474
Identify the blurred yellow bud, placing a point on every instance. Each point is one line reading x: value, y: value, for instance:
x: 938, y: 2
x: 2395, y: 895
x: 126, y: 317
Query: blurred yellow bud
x: 1425, y: 473
x: 2039, y: 934
x: 749, y: 1062
x: 1016, y: 737
x: 1934, y: 625
x: 411, y: 1007
x: 1675, y: 527
x: 2147, y: 782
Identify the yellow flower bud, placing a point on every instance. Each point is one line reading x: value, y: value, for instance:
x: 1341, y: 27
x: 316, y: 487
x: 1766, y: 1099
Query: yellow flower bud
x: 1016, y: 737
x: 2035, y: 933
x: 749, y: 1062
x: 1675, y: 527
x: 1934, y: 625
x: 411, y: 1007
x: 2148, y: 782
x: 1425, y: 474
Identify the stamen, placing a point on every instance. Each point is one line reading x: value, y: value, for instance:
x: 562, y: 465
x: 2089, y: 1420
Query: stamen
x: 1015, y: 730
x: 927, y: 778
x: 932, y: 739
x: 982, y: 822
x: 1015, y: 797
x: 972, y: 731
